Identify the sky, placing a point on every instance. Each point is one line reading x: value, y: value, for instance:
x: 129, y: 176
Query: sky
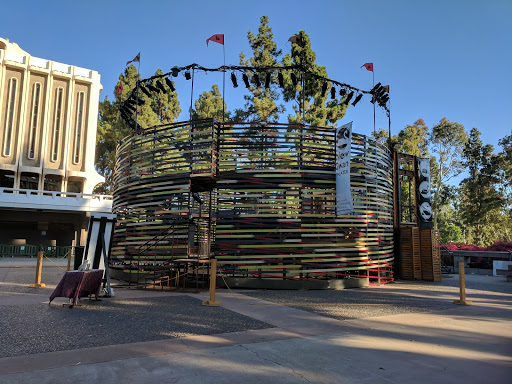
x: 445, y: 58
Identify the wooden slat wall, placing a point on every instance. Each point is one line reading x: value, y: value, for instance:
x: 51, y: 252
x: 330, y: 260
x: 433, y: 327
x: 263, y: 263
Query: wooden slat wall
x: 276, y: 206
x: 153, y: 174
x: 430, y: 256
x: 410, y: 253
x: 273, y: 213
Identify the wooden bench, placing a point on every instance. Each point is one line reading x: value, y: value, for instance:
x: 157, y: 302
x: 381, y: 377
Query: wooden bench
x: 505, y: 272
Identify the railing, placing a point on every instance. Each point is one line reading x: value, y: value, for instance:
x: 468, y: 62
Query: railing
x: 57, y: 200
x: 28, y: 250
x: 54, y: 194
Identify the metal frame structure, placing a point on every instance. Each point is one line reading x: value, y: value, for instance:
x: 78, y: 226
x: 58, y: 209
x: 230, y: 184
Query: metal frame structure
x: 258, y: 198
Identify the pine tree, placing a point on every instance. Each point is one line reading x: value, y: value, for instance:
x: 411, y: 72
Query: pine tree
x: 160, y: 108
x: 318, y: 110
x: 210, y: 105
x: 165, y: 105
x: 261, y: 104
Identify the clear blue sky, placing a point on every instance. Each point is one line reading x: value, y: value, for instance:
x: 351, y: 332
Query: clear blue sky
x: 447, y: 58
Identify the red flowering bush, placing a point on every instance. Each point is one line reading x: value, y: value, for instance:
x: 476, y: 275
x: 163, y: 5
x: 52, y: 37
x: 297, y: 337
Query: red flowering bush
x: 499, y: 246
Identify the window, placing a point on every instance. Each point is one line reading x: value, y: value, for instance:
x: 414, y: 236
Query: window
x: 75, y: 186
x: 57, y: 124
x: 13, y: 83
x: 78, y: 130
x: 52, y: 183
x: 6, y: 179
x: 35, y: 121
x: 29, y: 181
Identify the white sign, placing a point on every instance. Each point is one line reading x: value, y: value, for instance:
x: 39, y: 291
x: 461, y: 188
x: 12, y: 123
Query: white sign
x: 344, y: 204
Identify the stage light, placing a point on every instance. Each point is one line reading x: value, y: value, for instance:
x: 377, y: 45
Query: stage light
x: 324, y: 89
x: 280, y: 78
x: 246, y: 80
x: 375, y: 89
x: 256, y: 80
x: 161, y: 86
x: 383, y: 100
x: 343, y: 92
x: 197, y: 198
x: 267, y: 80
x: 152, y: 88
x: 145, y: 91
x: 187, y: 75
x: 294, y: 79
x: 175, y: 71
x: 349, y: 97
x: 379, y: 92
x: 170, y: 84
x: 233, y: 80
x: 357, y: 99
x: 333, y: 93
x: 140, y: 101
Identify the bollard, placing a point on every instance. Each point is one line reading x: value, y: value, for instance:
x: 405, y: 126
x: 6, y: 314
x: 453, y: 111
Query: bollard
x: 213, y: 281
x: 69, y: 260
x: 462, y: 285
x: 37, y: 283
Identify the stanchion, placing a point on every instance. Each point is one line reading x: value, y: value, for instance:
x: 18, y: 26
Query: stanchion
x: 68, y: 268
x: 462, y: 285
x: 37, y: 283
x: 213, y: 281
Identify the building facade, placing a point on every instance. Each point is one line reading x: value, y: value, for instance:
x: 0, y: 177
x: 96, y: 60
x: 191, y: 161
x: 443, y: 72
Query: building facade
x: 48, y: 121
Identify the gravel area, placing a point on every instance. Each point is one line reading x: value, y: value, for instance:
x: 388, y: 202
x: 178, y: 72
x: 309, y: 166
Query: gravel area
x: 28, y: 329
x: 390, y: 299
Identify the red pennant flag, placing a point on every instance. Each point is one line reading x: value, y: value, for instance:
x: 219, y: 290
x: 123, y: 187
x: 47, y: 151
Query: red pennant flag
x: 119, y: 89
x: 137, y: 58
x: 216, y: 38
x: 368, y: 66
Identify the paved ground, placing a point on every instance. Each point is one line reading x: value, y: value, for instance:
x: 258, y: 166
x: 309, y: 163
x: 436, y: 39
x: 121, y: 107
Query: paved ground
x: 399, y: 333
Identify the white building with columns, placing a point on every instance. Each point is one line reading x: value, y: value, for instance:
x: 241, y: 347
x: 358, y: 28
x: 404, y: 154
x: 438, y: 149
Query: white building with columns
x: 48, y: 121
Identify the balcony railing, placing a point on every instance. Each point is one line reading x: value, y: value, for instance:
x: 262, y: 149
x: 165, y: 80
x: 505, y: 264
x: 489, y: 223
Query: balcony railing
x: 54, y: 200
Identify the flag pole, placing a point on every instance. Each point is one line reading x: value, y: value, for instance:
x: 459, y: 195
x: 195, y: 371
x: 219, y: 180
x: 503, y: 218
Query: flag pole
x: 119, y: 119
x: 223, y: 81
x: 137, y: 101
x: 373, y: 76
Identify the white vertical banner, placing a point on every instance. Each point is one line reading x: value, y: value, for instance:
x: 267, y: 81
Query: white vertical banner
x: 344, y: 204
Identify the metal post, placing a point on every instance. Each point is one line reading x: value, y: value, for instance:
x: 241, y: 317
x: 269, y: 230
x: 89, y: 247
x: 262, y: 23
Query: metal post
x: 37, y: 283
x: 69, y: 259
x: 213, y: 281
x: 462, y: 286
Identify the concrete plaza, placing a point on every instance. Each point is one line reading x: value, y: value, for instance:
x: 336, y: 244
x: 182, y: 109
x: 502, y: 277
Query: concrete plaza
x: 407, y: 332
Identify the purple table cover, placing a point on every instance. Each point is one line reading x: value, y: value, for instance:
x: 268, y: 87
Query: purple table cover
x: 76, y: 284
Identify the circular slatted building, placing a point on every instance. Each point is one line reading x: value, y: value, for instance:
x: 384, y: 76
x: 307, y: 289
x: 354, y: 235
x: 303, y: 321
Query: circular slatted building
x: 261, y: 199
